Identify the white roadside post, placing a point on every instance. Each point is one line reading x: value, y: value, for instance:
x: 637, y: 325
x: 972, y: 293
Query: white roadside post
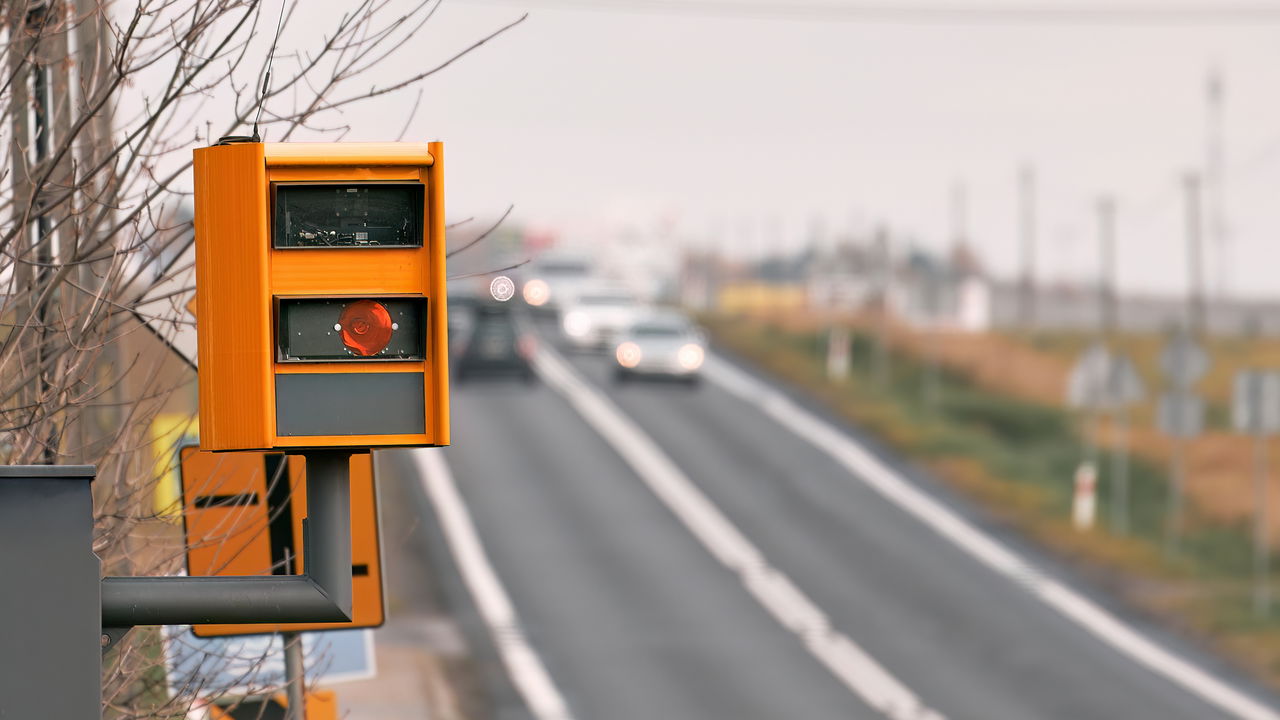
x: 838, y: 353
x: 1084, y: 505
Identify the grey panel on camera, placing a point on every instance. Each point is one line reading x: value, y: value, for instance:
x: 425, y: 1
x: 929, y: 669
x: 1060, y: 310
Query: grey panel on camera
x: 350, y: 404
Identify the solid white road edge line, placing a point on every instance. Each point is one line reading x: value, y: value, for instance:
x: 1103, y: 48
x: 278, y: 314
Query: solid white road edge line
x: 523, y: 664
x: 774, y: 591
x: 866, y: 467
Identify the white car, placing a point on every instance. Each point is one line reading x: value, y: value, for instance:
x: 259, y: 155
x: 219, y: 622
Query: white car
x: 663, y: 344
x: 555, y: 279
x: 598, y: 316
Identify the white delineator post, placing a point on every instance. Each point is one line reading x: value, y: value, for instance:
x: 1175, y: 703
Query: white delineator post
x: 838, y: 342
x: 1084, y: 505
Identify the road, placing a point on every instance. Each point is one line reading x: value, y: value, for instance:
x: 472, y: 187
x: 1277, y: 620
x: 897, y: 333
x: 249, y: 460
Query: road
x: 633, y: 615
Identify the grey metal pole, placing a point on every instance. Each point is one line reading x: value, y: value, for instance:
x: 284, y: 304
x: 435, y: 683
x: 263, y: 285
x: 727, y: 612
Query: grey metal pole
x: 328, y: 547
x: 323, y: 594
x: 1027, y: 231
x: 37, y: 21
x: 1214, y: 177
x: 1261, y: 534
x: 1120, y: 473
x: 881, y: 358
x: 1106, y: 329
x: 295, y: 676
x: 1173, y: 521
x: 1196, y: 317
x: 932, y: 381
x: 1107, y: 269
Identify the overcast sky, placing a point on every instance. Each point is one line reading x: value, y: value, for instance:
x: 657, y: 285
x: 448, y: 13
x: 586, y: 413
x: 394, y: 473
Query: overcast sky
x: 750, y: 128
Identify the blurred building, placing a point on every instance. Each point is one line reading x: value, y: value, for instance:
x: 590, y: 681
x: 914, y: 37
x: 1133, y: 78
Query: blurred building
x: 919, y: 288
x: 1064, y: 306
x: 926, y: 289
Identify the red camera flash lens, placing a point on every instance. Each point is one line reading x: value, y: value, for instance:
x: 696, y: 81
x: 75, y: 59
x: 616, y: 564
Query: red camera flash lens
x: 366, y: 327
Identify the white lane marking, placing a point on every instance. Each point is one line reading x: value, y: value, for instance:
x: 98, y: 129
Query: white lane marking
x: 523, y: 664
x: 774, y: 591
x: 864, y: 466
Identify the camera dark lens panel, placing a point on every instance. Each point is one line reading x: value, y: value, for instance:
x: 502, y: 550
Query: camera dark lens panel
x: 348, y: 216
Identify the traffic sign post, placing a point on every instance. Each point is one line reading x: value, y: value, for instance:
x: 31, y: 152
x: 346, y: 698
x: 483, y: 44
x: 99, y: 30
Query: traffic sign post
x: 323, y: 594
x: 244, y: 514
x: 1105, y: 380
x: 1255, y: 409
x: 243, y: 665
x: 1180, y: 415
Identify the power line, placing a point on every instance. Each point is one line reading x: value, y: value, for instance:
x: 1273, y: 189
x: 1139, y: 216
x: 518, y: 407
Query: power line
x: 1051, y: 13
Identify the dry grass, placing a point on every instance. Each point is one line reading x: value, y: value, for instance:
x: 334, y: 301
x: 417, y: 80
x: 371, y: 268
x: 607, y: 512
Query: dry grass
x: 1220, y: 463
x: 1210, y: 606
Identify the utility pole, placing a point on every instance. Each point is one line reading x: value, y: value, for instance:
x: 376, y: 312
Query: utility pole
x: 1027, y: 229
x: 943, y: 292
x: 1195, y: 259
x: 93, y: 62
x: 21, y: 46
x: 1215, y: 178
x: 1116, y: 365
x: 959, y: 233
x: 1107, y: 269
x: 1106, y: 312
x: 885, y: 261
x: 1261, y: 498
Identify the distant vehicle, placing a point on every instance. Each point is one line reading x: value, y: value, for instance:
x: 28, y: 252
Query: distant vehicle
x: 555, y: 279
x: 462, y: 305
x: 664, y: 344
x: 598, y: 316
x: 493, y: 344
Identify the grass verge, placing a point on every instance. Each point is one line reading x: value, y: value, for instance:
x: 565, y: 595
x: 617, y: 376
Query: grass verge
x: 1017, y: 459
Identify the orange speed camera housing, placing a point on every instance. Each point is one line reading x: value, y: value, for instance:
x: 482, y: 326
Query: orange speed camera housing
x: 320, y: 295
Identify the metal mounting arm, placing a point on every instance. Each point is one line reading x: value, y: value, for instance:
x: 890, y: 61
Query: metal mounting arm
x: 322, y: 594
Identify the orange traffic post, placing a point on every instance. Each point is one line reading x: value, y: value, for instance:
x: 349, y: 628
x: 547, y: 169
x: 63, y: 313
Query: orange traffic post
x: 243, y: 513
x: 320, y: 705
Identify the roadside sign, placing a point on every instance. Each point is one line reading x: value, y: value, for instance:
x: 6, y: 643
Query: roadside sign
x: 1183, y: 360
x: 243, y: 512
x: 1180, y: 414
x: 244, y: 665
x: 1103, y: 379
x: 1255, y: 401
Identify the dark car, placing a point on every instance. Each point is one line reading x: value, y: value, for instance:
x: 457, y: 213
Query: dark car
x: 493, y: 343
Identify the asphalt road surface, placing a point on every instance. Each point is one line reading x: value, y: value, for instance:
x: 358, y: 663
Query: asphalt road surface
x: 632, y: 614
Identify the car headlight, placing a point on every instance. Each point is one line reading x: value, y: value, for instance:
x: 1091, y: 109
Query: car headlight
x: 576, y: 324
x: 690, y: 357
x: 628, y: 354
x: 536, y: 292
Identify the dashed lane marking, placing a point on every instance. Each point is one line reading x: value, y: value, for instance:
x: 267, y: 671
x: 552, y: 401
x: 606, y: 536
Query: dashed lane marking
x: 530, y: 676
x: 850, y: 664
